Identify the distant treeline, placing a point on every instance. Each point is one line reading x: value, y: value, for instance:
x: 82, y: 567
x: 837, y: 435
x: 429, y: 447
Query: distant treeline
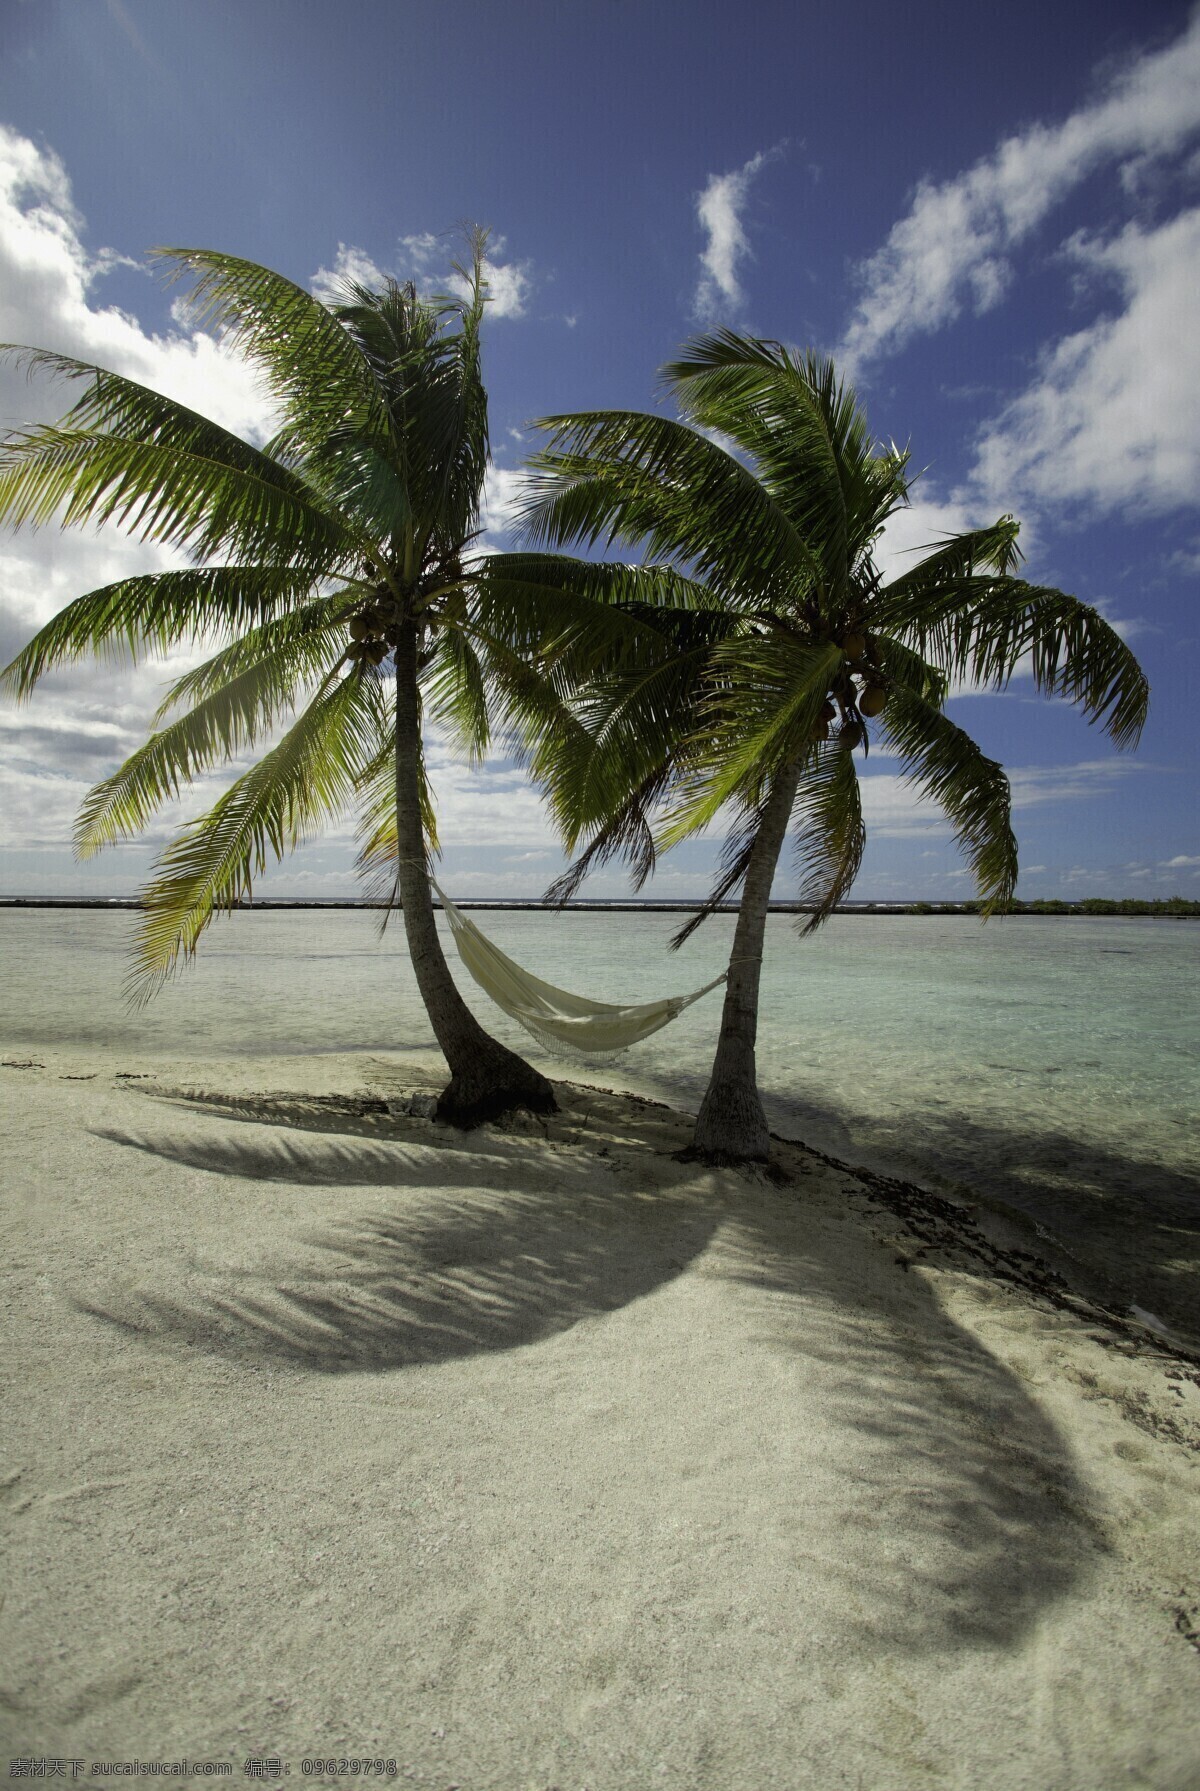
x: 1174, y: 906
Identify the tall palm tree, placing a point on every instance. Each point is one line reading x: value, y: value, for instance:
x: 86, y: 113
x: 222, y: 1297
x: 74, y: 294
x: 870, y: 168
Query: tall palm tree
x: 333, y: 569
x: 786, y: 653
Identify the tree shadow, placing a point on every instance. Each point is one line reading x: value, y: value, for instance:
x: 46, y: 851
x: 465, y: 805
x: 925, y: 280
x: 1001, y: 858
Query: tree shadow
x: 1121, y: 1227
x: 927, y: 1500
x: 490, y: 1245
x: 960, y: 1508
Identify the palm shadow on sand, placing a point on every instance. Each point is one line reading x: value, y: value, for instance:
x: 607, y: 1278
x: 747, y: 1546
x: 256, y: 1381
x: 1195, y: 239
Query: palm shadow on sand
x: 1121, y: 1225
x: 962, y: 1514
x: 488, y: 1246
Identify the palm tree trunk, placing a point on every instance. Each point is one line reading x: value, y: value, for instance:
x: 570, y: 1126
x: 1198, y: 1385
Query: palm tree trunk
x: 731, y: 1126
x: 486, y: 1079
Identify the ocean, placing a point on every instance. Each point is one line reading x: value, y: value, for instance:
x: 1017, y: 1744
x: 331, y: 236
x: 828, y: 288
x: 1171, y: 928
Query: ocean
x: 1047, y: 1065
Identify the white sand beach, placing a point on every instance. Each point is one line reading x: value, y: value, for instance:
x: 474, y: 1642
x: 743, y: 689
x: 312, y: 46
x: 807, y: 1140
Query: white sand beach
x: 534, y: 1458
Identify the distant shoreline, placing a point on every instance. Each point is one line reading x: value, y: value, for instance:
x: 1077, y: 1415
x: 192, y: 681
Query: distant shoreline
x: 1177, y: 909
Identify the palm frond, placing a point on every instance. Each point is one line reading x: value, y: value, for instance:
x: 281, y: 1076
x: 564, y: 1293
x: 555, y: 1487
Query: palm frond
x: 831, y: 835
x: 763, y: 711
x: 141, y: 617
x: 231, y: 714
x: 945, y: 563
x: 989, y: 629
x: 626, y: 834
x: 311, y: 364
x: 310, y: 776
x: 944, y: 762
x: 161, y: 492
x: 455, y: 691
x: 805, y: 434
x: 672, y: 494
x: 633, y: 730
x: 305, y: 643
x: 732, y: 867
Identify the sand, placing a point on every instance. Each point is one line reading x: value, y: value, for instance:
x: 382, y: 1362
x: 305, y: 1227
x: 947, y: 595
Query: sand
x: 535, y: 1458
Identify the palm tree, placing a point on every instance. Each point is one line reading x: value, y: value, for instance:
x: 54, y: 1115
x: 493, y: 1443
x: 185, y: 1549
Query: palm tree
x: 765, y: 503
x: 333, y: 568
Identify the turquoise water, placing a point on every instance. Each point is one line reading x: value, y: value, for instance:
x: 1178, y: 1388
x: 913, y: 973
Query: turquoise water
x: 1050, y: 1063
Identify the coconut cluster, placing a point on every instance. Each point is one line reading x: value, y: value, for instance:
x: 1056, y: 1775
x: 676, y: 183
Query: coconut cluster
x: 373, y: 631
x: 854, y: 700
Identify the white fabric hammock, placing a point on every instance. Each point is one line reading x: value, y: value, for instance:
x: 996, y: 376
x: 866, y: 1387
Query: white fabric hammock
x: 558, y: 1020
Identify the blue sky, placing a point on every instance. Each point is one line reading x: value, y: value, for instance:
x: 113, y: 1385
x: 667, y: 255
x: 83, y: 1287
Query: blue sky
x: 993, y: 220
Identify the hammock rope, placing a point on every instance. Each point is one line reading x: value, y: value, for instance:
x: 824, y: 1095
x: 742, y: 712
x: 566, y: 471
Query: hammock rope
x: 561, y: 1022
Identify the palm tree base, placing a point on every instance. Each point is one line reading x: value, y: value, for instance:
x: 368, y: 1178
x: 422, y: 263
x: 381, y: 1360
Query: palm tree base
x: 495, y: 1083
x: 731, y: 1127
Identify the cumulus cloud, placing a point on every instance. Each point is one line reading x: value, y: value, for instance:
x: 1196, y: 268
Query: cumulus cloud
x: 895, y: 808
x: 719, y: 208
x: 951, y: 248
x: 48, y: 298
x: 85, y: 719
x: 1112, y: 419
x: 509, y: 282
x: 351, y: 267
x: 1035, y: 785
x: 502, y: 488
x: 920, y: 527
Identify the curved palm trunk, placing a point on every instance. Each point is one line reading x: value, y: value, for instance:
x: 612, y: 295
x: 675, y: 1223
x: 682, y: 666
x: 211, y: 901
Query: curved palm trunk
x: 486, y: 1078
x: 731, y: 1126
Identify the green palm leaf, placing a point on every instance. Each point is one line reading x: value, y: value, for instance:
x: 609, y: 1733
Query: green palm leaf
x: 972, y: 789
x: 988, y: 629
x: 160, y: 492
x: 670, y: 492
x: 311, y: 365
x: 831, y: 835
x: 803, y: 432
x: 237, y: 698
x: 149, y: 614
x: 309, y: 777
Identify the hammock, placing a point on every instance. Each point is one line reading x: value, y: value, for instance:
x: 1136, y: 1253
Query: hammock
x: 558, y: 1020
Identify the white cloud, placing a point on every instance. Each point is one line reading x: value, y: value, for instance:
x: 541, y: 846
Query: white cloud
x: 502, y: 487
x: 351, y: 266
x: 420, y: 250
x: 1113, y: 417
x: 1035, y: 785
x: 509, y: 285
x: 84, y: 719
x: 1180, y: 859
x: 894, y: 808
x: 719, y: 208
x: 47, y: 299
x: 951, y: 248
x: 509, y: 282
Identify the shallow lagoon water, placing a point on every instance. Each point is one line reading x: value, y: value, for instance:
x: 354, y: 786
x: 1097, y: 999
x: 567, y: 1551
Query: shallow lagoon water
x: 1048, y: 1063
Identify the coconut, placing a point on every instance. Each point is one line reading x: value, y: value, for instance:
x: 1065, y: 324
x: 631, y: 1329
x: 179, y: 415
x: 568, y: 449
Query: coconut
x: 872, y: 699
x: 358, y: 628
x: 854, y: 646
